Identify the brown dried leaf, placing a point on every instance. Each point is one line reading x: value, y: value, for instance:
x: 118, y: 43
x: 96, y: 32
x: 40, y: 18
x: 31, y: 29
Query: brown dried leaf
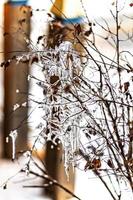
x: 34, y: 59
x: 67, y: 88
x: 78, y: 29
x: 71, y: 57
x: 76, y: 81
x: 31, y: 13
x: 126, y: 86
x: 58, y: 57
x: 87, y: 33
x: 110, y: 163
x: 54, y: 79
x: 94, y: 164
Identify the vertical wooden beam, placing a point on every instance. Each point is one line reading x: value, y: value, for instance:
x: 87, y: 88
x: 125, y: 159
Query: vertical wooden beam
x: 70, y: 15
x: 16, y: 27
x: 1, y: 78
x: 53, y: 157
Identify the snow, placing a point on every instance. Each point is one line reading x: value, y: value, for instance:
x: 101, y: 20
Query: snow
x: 14, y: 189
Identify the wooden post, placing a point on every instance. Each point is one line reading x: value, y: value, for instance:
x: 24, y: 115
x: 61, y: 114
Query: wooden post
x: 16, y: 28
x: 53, y: 157
x: 55, y: 168
x: 63, y: 27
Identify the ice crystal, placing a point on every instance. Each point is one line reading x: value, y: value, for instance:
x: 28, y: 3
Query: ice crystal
x: 29, y: 77
x: 16, y: 106
x: 27, y: 154
x: 24, y: 104
x: 26, y: 169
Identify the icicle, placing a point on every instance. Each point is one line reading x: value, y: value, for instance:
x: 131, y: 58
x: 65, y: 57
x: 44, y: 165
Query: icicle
x: 29, y: 77
x: 13, y: 135
x: 24, y: 104
x: 27, y: 171
x: 7, y: 139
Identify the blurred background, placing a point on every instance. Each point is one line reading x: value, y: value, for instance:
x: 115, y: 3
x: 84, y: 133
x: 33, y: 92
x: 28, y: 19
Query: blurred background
x: 86, y: 185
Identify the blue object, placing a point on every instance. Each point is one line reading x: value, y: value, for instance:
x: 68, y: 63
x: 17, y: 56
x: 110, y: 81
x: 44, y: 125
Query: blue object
x: 76, y: 20
x: 18, y: 2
